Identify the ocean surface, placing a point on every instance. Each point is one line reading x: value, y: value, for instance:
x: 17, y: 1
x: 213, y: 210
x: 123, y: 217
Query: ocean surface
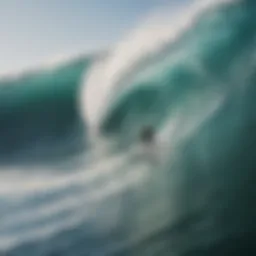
x: 75, y: 179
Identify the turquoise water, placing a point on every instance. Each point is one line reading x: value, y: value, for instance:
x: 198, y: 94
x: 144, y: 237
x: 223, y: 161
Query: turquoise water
x: 40, y: 110
x: 76, y: 181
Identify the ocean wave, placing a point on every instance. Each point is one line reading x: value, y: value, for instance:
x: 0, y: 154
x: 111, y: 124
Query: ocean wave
x: 190, y: 193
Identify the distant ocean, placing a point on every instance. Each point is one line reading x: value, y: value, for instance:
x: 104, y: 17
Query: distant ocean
x: 74, y: 177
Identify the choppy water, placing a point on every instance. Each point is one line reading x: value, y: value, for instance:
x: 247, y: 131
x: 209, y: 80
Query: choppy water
x: 75, y: 180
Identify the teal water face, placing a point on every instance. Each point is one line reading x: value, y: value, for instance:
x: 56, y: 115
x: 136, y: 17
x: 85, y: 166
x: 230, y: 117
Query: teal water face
x: 204, y: 86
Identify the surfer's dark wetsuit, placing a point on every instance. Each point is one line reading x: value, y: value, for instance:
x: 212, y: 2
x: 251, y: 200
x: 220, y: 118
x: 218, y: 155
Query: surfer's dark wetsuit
x: 147, y: 134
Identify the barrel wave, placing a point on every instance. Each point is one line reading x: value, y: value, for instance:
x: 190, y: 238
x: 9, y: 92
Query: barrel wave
x: 75, y: 179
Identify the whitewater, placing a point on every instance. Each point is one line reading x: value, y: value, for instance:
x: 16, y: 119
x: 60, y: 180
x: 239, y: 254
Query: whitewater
x: 75, y: 178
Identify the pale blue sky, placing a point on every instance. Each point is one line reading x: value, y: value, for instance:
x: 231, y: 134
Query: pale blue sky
x: 32, y: 31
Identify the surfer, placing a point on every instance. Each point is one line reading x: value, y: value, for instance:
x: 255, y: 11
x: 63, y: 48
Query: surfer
x: 149, y: 148
x: 150, y: 145
x: 147, y: 135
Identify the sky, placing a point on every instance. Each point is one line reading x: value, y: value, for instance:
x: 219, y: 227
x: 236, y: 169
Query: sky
x: 34, y: 31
